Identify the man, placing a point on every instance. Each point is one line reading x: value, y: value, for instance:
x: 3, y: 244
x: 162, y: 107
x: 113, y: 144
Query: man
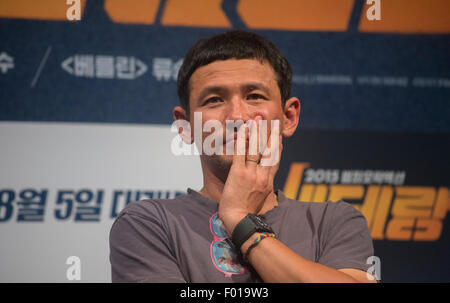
x: 237, y: 228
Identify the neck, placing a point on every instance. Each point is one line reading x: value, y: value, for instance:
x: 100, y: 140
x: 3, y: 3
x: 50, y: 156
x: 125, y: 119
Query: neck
x: 213, y: 183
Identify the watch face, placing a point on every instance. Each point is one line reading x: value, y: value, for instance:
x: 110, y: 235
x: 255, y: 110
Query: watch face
x: 258, y: 221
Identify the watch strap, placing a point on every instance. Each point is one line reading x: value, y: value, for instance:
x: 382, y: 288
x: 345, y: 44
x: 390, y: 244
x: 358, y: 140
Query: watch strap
x: 246, y: 228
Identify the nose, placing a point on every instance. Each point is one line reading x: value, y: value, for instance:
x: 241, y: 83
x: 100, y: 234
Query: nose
x: 237, y: 110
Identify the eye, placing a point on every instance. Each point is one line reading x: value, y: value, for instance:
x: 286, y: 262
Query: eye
x: 256, y: 97
x: 215, y: 99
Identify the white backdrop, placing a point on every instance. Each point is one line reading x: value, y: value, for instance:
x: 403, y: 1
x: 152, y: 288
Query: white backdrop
x: 75, y: 157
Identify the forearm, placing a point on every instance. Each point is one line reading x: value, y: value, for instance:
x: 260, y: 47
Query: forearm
x: 275, y: 262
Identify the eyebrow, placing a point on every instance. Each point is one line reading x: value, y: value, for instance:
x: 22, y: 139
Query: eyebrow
x: 247, y: 87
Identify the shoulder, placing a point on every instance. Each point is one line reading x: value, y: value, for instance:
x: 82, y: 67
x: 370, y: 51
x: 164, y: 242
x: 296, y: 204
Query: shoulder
x: 152, y: 208
x: 328, y: 214
x: 342, y: 236
x: 169, y: 212
x: 327, y: 209
x: 146, y: 218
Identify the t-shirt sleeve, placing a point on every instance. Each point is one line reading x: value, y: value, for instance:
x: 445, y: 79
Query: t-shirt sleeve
x: 346, y: 241
x: 140, y: 250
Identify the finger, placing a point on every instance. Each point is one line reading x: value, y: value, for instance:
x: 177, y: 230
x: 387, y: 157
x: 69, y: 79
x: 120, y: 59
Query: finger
x: 239, y: 151
x: 274, y: 168
x: 252, y: 158
x: 263, y: 135
x: 269, y: 171
x: 271, y: 154
x: 270, y: 165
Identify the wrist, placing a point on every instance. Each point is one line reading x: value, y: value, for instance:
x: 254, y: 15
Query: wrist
x: 231, y: 219
x: 253, y: 242
x: 249, y: 242
x: 246, y: 229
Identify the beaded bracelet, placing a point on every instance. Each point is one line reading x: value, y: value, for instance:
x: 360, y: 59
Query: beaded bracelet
x: 256, y: 242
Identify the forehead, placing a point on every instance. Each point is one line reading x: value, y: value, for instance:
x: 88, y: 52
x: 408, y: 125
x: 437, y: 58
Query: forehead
x: 233, y: 72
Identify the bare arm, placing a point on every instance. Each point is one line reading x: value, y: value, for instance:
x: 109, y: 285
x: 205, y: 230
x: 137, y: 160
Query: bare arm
x: 275, y: 262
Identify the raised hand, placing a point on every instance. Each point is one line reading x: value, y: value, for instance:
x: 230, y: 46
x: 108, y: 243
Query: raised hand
x: 251, y: 176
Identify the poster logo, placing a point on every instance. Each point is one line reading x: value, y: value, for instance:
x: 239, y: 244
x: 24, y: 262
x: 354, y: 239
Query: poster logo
x: 393, y: 211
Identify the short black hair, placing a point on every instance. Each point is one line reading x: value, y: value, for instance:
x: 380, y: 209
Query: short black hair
x: 234, y: 44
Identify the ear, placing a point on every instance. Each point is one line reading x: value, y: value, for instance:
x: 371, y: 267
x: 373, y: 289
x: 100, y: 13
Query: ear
x: 291, y: 116
x: 182, y: 122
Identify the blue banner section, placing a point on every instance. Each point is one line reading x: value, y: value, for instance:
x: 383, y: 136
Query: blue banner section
x: 101, y: 70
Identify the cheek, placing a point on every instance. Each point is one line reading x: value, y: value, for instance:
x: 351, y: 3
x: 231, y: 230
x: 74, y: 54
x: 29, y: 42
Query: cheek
x: 269, y: 112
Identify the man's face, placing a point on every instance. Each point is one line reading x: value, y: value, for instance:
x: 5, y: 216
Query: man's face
x: 233, y: 89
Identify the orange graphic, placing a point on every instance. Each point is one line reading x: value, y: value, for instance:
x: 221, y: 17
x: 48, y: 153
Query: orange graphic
x: 397, y: 16
x: 207, y: 13
x: 313, y: 193
x: 427, y: 230
x: 293, y: 180
x: 369, y: 204
x: 413, y: 201
x: 442, y: 205
x: 400, y: 229
x: 399, y: 213
x: 132, y: 11
x: 381, y: 213
x: 417, y: 203
x: 33, y: 9
x: 409, y: 17
x: 300, y: 15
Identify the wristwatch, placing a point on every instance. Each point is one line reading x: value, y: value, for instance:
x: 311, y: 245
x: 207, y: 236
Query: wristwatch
x: 246, y: 228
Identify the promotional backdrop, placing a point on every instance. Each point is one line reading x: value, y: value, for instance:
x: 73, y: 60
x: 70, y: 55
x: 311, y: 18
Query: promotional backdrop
x: 86, y: 108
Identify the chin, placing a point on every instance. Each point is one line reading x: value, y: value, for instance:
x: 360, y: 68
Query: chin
x: 219, y: 164
x: 222, y: 161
